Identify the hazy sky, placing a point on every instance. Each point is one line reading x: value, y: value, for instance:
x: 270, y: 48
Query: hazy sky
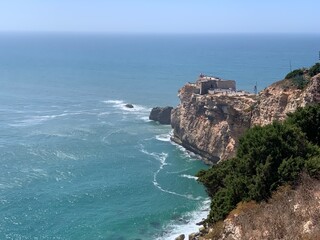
x: 161, y: 16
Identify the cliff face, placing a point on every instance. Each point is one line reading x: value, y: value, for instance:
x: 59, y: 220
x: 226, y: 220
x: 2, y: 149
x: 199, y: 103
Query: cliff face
x: 279, y: 99
x: 211, y: 124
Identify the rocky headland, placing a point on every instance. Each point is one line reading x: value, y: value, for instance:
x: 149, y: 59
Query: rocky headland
x: 211, y: 124
x: 209, y: 121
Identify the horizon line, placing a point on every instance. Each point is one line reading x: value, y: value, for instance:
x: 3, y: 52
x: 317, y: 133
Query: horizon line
x: 152, y: 33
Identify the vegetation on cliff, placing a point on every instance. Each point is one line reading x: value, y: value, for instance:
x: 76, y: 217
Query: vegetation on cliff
x: 300, y: 77
x: 267, y: 158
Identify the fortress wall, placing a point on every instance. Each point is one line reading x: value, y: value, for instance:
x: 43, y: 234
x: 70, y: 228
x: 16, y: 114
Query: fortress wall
x: 227, y: 84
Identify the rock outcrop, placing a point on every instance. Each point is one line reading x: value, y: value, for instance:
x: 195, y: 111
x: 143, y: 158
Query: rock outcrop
x: 291, y: 213
x: 161, y: 115
x: 276, y: 101
x: 211, y: 124
x: 129, y: 105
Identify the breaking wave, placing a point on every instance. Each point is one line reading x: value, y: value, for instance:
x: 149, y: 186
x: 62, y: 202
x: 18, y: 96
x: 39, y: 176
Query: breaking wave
x: 187, y: 224
x: 164, y: 137
x: 161, y: 157
x: 140, y: 111
x: 189, y: 176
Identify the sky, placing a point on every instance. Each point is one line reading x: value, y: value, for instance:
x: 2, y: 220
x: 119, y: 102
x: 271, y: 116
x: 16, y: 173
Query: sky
x: 161, y: 16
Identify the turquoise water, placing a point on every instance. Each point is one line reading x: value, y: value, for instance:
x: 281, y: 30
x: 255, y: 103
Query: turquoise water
x: 77, y: 164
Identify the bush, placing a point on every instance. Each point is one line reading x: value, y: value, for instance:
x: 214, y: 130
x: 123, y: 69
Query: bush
x: 266, y: 158
x: 294, y: 73
x: 312, y: 166
x: 300, y: 81
x: 308, y: 120
x: 314, y: 70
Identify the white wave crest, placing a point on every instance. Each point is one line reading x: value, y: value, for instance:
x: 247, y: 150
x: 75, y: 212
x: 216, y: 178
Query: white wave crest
x: 186, y: 153
x: 139, y: 110
x: 162, y: 158
x: 164, y: 137
x: 189, y: 176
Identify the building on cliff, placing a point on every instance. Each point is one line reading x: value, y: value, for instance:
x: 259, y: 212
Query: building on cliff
x: 211, y: 84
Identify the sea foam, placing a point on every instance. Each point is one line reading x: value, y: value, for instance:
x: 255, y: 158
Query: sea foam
x: 188, y: 223
x: 140, y: 111
x: 161, y: 157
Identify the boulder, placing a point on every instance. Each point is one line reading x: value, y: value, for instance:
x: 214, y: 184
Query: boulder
x: 128, y: 105
x: 161, y: 115
x: 193, y: 236
x: 181, y: 237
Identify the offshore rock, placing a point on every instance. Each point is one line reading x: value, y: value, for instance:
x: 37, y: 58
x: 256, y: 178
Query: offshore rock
x: 129, y: 105
x: 211, y: 124
x: 161, y: 115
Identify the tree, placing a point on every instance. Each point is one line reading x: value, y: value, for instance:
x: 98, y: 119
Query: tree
x: 266, y: 158
x: 308, y: 120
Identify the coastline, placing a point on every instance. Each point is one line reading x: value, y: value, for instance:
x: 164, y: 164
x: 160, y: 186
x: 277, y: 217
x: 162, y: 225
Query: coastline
x: 194, y: 152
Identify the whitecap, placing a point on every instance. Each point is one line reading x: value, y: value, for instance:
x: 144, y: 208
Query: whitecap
x: 141, y: 111
x: 190, y: 156
x: 114, y: 101
x: 145, y: 119
x: 162, y: 158
x: 164, y: 137
x: 189, y: 176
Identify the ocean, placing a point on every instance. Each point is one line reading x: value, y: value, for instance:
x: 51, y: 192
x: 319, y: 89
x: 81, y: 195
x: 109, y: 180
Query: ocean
x: 77, y: 164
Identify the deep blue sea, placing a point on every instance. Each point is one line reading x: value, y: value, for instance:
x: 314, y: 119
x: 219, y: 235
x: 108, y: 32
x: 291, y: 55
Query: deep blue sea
x: 76, y: 164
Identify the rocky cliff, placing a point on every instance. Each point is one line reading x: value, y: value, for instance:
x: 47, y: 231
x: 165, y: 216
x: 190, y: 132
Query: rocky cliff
x: 281, y: 98
x: 211, y: 124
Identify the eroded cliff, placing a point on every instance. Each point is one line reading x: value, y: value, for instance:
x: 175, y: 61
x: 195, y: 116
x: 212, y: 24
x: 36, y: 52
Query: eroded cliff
x: 211, y: 124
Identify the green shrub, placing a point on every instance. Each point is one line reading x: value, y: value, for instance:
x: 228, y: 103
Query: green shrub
x: 294, y: 73
x: 266, y: 158
x: 312, y: 166
x: 308, y: 120
x: 300, y: 81
x: 314, y: 70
